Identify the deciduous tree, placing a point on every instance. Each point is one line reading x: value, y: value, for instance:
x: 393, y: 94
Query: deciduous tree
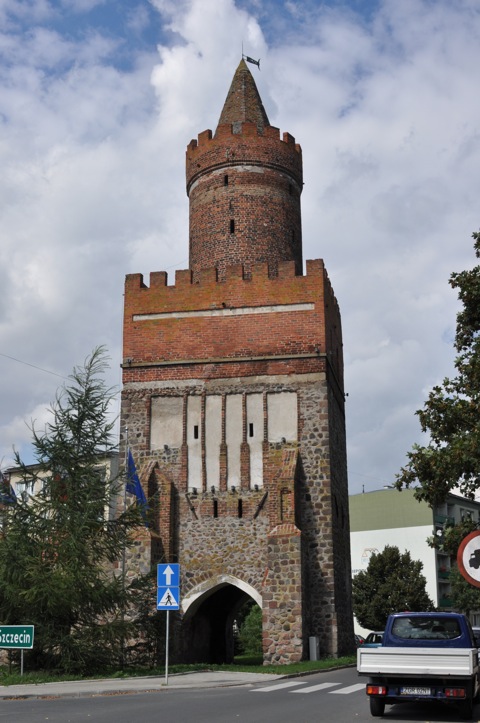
x: 392, y: 582
x: 450, y: 460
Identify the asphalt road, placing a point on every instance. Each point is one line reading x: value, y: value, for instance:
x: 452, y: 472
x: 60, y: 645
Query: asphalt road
x: 332, y: 696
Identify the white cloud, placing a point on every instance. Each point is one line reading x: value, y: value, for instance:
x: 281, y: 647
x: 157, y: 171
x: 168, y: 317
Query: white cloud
x: 93, y: 186
x: 31, y: 11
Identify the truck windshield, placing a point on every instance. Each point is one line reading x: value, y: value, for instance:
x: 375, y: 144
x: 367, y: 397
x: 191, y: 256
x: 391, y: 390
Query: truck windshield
x: 425, y: 628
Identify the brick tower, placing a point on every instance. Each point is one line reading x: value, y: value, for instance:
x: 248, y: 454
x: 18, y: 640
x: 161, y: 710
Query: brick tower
x: 233, y: 398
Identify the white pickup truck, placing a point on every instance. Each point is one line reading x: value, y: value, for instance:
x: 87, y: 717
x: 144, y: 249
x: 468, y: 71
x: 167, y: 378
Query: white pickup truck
x: 423, y: 656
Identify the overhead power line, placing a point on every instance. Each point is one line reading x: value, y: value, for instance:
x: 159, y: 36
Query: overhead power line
x: 34, y: 366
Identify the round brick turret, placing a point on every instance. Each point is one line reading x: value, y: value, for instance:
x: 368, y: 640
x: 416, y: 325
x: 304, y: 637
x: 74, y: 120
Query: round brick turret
x: 244, y: 185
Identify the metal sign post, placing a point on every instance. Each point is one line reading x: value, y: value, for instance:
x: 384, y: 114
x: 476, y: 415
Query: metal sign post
x: 168, y: 598
x: 167, y: 642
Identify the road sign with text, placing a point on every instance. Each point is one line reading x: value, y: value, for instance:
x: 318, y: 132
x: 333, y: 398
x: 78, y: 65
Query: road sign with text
x: 168, y: 586
x: 16, y: 636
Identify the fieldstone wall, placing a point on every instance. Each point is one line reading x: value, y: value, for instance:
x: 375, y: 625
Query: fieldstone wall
x: 282, y: 600
x: 210, y: 548
x: 287, y: 540
x: 342, y: 574
x: 322, y: 507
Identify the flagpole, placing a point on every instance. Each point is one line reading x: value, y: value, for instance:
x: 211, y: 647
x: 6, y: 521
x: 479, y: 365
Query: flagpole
x: 124, y: 550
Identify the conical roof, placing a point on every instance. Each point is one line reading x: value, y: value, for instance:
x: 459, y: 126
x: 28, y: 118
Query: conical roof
x: 243, y: 103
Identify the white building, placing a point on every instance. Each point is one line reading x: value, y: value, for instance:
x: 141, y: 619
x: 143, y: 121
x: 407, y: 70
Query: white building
x: 389, y: 517
x: 107, y: 468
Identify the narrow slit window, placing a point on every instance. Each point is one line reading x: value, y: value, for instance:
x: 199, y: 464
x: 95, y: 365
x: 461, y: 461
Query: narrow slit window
x: 250, y: 429
x: 225, y: 180
x: 215, y: 508
x: 232, y: 225
x: 240, y: 509
x: 195, y: 431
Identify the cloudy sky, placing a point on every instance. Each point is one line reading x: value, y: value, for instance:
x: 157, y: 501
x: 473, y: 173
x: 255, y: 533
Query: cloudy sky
x: 98, y: 101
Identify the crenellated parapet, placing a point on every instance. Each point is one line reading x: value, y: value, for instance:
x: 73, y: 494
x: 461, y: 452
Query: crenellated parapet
x: 254, y: 319
x: 243, y: 292
x: 246, y: 283
x: 233, y: 146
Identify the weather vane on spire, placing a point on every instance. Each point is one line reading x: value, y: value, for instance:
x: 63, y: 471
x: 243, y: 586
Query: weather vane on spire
x: 250, y: 60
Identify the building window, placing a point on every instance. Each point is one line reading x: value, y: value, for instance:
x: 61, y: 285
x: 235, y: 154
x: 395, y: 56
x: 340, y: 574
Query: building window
x: 195, y: 431
x: 215, y: 508
x: 240, y: 509
x: 250, y: 429
x: 232, y: 225
x: 225, y: 180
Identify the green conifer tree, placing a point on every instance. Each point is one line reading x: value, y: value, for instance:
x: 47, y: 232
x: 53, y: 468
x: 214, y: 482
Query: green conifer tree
x: 60, y: 546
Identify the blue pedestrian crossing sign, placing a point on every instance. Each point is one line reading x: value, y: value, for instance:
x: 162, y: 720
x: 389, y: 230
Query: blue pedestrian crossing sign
x: 168, y: 586
x: 167, y: 598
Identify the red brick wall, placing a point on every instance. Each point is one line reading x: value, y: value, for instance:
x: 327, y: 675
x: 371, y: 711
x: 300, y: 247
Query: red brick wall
x: 158, y: 348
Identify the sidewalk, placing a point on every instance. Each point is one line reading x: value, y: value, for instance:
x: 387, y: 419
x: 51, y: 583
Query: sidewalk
x: 110, y: 686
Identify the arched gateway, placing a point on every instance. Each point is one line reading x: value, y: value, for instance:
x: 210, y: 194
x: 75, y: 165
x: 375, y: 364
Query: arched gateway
x: 233, y: 398
x: 209, y: 614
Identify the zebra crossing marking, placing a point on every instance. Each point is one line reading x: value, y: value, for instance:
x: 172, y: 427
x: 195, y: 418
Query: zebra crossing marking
x: 346, y: 690
x: 349, y: 689
x: 315, y: 688
x: 278, y: 686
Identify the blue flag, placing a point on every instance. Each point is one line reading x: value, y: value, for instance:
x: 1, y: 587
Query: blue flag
x: 134, y: 486
x: 7, y: 493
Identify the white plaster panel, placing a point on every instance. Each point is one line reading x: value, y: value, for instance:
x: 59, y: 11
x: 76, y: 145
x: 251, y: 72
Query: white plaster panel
x: 213, y: 438
x: 233, y: 437
x: 282, y: 417
x: 237, y: 311
x: 194, y: 407
x: 166, y: 422
x: 255, y: 437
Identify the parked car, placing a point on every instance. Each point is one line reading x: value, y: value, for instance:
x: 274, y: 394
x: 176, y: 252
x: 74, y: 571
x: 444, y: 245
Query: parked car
x: 476, y: 634
x: 373, y: 640
x: 359, y: 640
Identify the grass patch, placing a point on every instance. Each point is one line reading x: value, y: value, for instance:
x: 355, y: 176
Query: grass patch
x: 245, y: 664
x: 253, y: 665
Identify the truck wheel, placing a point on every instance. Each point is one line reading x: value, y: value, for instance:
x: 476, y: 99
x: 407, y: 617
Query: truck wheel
x: 377, y: 706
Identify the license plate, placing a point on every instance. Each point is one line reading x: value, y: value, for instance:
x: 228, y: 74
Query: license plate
x: 413, y: 690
